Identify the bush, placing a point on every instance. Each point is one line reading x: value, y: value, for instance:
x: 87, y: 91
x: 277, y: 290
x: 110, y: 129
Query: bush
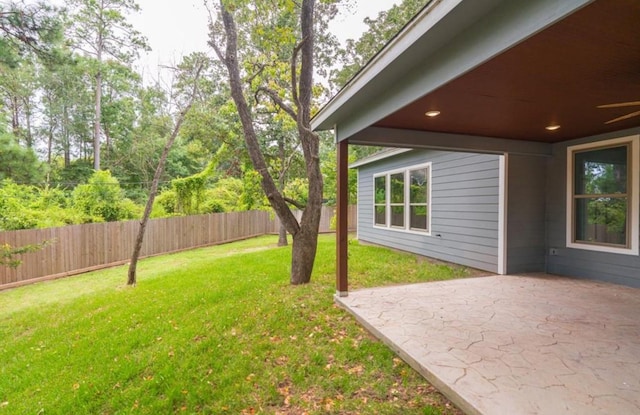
x: 15, y: 206
x: 168, y: 200
x: 103, y: 198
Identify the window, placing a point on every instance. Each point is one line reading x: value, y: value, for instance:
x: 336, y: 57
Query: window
x: 396, y: 203
x: 418, y: 191
x: 401, y: 199
x: 602, y: 198
x: 380, y: 201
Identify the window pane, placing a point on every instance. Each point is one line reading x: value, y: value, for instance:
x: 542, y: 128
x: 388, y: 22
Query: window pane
x: 418, y: 217
x: 601, y: 220
x: 397, y: 216
x: 602, y: 171
x: 397, y: 188
x: 380, y: 189
x: 418, y: 190
x: 381, y: 215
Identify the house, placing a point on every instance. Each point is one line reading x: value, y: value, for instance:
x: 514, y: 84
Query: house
x: 440, y: 204
x: 551, y: 88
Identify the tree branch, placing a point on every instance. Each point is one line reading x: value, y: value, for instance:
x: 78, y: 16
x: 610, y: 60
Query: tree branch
x: 295, y: 203
x: 294, y: 73
x: 253, y: 146
x: 279, y: 101
x: 261, y: 67
x: 289, y: 161
x: 131, y: 279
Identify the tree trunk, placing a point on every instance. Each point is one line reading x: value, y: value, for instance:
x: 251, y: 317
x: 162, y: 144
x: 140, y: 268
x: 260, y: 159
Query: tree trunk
x: 131, y: 276
x: 50, y: 134
x: 50, y: 143
x: 305, y: 233
x: 15, y: 117
x: 96, y: 121
x: 27, y: 114
x: 282, y: 232
x: 282, y: 236
x: 133, y: 264
x: 66, y: 137
x: 303, y: 254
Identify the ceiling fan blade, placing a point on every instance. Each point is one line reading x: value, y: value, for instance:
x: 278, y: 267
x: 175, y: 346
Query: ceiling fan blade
x: 624, y: 117
x: 620, y: 104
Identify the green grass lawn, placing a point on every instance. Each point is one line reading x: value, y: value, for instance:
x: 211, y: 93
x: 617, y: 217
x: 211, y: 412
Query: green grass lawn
x: 210, y: 331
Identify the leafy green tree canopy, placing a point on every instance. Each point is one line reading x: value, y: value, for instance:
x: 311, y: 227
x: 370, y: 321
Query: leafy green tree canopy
x: 19, y: 163
x: 35, y: 27
x: 382, y: 29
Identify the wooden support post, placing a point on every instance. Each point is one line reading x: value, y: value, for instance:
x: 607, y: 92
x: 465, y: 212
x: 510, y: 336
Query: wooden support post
x: 342, y: 229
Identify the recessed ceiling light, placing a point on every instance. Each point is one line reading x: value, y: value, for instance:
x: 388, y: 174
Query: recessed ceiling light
x: 552, y: 127
x: 432, y: 113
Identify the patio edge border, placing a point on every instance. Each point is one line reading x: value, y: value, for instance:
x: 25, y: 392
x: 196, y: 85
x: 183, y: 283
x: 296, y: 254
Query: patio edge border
x: 442, y: 387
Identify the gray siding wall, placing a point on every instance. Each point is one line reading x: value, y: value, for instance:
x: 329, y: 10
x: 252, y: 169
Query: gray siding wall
x: 526, y: 194
x: 464, y: 198
x: 617, y: 268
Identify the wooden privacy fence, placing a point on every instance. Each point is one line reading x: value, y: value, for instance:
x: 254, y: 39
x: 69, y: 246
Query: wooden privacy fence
x: 81, y: 248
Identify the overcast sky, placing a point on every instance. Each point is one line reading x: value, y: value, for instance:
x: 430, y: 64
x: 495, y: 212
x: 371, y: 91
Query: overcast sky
x: 176, y: 28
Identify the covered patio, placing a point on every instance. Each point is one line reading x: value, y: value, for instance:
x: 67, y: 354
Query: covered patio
x: 551, y: 88
x: 537, y: 82
x: 526, y: 344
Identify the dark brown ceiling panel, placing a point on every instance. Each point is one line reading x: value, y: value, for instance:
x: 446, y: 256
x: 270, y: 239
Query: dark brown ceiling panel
x: 558, y: 76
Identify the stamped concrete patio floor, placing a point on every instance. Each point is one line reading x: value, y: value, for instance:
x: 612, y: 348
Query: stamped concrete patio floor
x: 531, y: 344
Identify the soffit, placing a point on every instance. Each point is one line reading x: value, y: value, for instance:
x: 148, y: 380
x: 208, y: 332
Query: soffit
x: 558, y: 76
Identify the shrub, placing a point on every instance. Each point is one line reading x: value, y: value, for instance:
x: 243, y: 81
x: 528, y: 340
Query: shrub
x: 103, y: 198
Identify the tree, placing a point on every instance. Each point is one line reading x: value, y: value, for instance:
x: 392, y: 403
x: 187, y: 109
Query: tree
x: 17, y: 88
x: 192, y: 68
x: 27, y: 27
x: 330, y: 175
x: 357, y: 52
x: 275, y: 27
x: 381, y: 30
x: 64, y: 108
x: 101, y: 30
x: 18, y: 163
x: 8, y: 253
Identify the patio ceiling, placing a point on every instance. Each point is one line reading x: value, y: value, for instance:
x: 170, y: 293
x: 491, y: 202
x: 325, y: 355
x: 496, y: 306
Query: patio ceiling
x: 557, y: 77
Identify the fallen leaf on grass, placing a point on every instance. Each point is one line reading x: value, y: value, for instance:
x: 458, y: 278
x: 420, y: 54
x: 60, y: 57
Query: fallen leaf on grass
x: 328, y: 404
x: 282, y: 360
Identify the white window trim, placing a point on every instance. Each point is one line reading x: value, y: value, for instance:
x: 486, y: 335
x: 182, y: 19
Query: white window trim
x: 634, y: 188
x: 407, y: 203
x: 386, y: 201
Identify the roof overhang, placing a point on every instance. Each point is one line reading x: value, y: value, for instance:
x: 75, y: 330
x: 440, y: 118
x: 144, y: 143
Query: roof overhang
x: 381, y: 155
x: 500, y: 68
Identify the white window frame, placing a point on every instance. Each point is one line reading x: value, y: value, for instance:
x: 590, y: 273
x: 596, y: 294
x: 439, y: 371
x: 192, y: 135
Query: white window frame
x: 633, y: 189
x: 407, y: 203
x: 385, y: 204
